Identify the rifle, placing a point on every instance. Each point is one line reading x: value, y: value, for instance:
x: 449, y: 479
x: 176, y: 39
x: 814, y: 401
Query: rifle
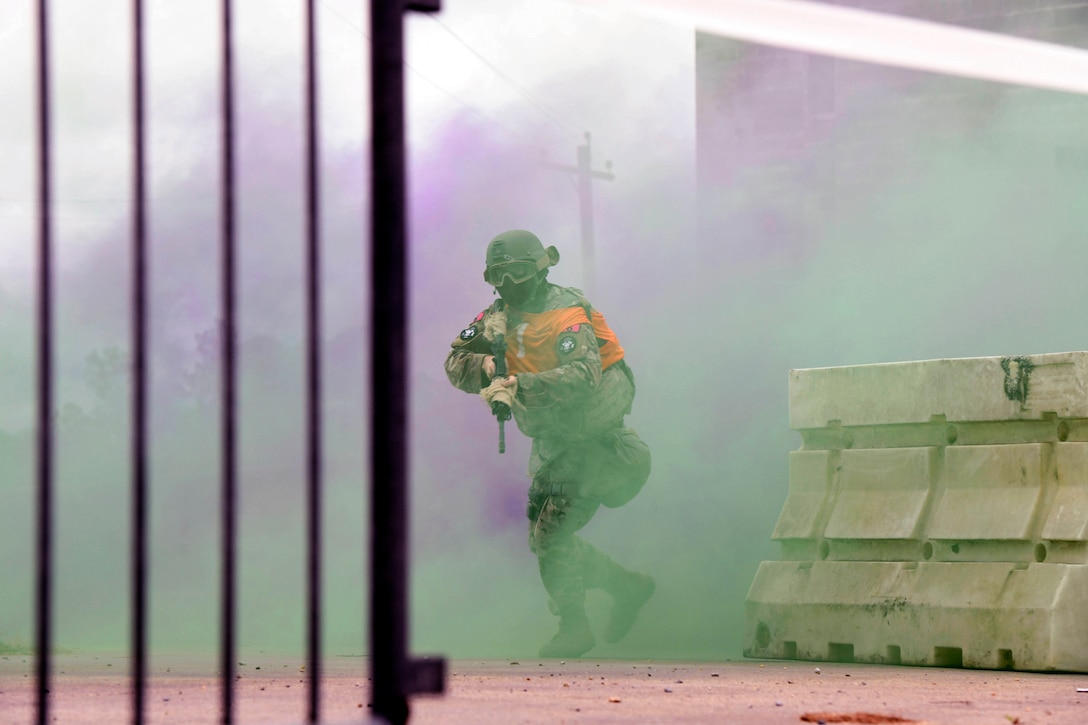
x: 500, y: 410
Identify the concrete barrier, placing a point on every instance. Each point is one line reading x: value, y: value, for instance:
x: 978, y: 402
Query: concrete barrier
x: 937, y: 514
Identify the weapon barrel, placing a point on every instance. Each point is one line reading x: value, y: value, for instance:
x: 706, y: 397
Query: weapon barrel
x: 501, y: 411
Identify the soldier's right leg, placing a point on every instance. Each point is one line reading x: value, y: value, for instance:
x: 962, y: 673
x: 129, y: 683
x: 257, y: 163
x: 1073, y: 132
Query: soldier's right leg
x: 553, y: 521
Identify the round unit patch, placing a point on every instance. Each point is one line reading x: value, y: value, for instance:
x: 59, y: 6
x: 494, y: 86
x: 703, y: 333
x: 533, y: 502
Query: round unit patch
x: 468, y: 333
x: 566, y: 344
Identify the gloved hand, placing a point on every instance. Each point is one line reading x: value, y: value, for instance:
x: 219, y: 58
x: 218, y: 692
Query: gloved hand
x: 503, y: 390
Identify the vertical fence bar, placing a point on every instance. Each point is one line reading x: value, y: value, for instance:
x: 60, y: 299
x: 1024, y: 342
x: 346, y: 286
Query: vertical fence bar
x: 228, y: 377
x: 44, y: 611
x: 389, y: 365
x: 393, y: 675
x: 139, y: 375
x: 313, y: 373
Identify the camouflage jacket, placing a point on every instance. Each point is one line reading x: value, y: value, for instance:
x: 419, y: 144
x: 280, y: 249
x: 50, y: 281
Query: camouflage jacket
x: 572, y: 400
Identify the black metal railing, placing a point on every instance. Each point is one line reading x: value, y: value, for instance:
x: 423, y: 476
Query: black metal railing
x: 139, y: 344
x: 313, y: 371
x: 228, y: 392
x: 43, y: 633
x: 394, y: 674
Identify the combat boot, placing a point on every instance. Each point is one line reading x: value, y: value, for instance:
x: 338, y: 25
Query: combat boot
x: 573, y: 639
x: 628, y: 595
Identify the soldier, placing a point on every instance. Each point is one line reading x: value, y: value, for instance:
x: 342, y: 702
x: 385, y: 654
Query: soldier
x: 569, y: 389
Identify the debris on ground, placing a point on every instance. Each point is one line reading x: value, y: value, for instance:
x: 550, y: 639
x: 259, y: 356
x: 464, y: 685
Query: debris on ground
x: 863, y: 718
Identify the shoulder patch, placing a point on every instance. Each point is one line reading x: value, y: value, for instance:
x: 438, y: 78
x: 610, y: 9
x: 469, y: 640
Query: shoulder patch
x: 480, y: 316
x: 573, y: 328
x: 566, y: 344
x: 468, y: 333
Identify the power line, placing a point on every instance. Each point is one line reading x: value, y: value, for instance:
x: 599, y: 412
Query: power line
x: 422, y: 76
x: 28, y: 202
x: 76, y: 208
x: 468, y: 106
x: 345, y: 20
x: 566, y: 126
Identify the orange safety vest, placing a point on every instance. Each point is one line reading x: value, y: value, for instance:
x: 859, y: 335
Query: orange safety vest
x: 531, y: 338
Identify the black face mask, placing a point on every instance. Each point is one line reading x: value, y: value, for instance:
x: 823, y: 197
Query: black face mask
x: 516, y: 295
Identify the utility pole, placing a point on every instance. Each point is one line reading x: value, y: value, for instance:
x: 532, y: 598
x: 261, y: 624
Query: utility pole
x: 586, y: 175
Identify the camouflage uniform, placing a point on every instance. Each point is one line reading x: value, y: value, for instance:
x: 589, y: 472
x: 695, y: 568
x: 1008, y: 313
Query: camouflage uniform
x: 563, y: 409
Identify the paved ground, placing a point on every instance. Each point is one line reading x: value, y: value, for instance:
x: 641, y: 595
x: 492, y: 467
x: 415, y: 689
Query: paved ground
x: 89, y: 689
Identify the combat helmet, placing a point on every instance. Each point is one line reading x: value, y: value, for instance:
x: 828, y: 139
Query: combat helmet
x: 517, y: 256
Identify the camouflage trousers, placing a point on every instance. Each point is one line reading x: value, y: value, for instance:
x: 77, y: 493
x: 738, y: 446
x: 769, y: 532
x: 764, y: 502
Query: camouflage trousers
x: 568, y: 564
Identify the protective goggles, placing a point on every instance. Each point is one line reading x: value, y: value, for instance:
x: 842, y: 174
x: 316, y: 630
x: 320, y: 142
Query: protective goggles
x: 517, y: 271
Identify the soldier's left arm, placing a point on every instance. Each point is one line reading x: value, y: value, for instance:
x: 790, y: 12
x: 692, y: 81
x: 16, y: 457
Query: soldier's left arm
x: 578, y: 371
